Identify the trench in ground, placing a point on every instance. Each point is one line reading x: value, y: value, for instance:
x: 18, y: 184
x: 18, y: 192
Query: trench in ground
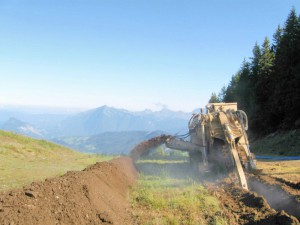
x: 276, y: 197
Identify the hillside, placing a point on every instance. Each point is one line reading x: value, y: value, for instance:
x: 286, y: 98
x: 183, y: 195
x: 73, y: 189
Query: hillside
x: 23, y: 160
x: 279, y: 143
x: 20, y: 127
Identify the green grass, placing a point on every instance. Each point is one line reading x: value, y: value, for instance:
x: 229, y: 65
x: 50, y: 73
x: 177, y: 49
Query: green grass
x: 161, y: 199
x: 24, y: 160
x: 279, y: 143
x: 160, y: 161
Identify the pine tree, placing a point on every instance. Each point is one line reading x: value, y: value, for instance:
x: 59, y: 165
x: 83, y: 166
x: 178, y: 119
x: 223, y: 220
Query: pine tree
x: 276, y: 39
x: 253, y: 79
x: 255, y: 64
x: 213, y: 98
x: 266, y: 60
x: 222, y: 93
x: 263, y: 87
x: 286, y: 78
x: 268, y: 87
x: 243, y: 88
x: 230, y: 95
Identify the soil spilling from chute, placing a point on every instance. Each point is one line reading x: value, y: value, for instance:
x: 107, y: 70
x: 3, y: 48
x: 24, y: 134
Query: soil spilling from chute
x: 144, y: 147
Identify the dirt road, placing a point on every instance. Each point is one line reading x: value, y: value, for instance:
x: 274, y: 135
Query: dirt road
x: 97, y: 195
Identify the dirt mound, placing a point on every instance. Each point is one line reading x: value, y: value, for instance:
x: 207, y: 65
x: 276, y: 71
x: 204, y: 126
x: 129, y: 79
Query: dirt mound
x: 97, y: 195
x: 144, y: 147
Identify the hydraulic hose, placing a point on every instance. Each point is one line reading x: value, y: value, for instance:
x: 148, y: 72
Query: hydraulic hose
x: 243, y: 118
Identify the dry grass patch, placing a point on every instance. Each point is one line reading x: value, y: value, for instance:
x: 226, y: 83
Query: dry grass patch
x: 288, y: 170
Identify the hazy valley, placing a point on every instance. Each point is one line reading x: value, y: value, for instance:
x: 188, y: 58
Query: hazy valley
x: 102, y: 130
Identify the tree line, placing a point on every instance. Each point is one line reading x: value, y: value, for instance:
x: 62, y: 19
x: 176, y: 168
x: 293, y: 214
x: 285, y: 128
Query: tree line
x: 267, y: 86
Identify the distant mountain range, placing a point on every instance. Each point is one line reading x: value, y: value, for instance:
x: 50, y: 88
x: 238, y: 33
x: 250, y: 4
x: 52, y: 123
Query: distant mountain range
x: 107, y: 143
x: 106, y: 119
x: 94, y: 130
x: 95, y: 121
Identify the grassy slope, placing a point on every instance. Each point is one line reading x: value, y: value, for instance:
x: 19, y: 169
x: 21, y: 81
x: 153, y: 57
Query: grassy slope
x: 24, y: 160
x: 283, y: 143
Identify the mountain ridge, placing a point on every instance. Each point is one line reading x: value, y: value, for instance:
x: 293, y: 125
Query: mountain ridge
x: 101, y: 130
x: 15, y: 125
x: 98, y: 120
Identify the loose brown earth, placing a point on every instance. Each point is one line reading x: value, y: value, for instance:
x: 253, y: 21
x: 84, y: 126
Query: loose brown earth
x: 144, y: 147
x: 273, y: 197
x: 97, y: 195
x: 246, y: 207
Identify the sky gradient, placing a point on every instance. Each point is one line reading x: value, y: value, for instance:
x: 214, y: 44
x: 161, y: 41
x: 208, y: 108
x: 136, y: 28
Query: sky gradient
x: 133, y: 54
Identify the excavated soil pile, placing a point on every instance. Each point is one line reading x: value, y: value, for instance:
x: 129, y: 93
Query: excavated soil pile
x: 96, y: 195
x: 143, y: 148
x: 244, y: 207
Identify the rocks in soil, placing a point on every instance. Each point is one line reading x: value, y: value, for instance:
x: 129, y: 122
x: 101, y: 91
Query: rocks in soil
x: 31, y: 194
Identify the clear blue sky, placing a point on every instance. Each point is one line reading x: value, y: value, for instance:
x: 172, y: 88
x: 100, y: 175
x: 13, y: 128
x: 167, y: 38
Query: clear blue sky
x: 132, y: 54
